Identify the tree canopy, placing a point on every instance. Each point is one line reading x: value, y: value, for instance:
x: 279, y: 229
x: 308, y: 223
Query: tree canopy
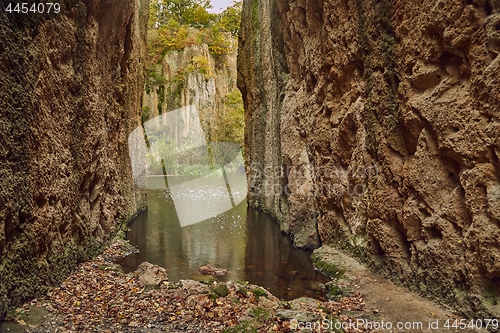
x: 194, y: 13
x: 174, y: 18
x: 188, y: 12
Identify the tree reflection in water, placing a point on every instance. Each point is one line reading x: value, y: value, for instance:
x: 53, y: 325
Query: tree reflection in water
x: 243, y: 240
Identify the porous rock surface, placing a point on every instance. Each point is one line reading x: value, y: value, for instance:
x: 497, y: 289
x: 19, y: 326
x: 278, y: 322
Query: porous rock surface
x: 70, y: 91
x: 204, y: 87
x: 374, y: 126
x: 178, y: 85
x: 151, y: 275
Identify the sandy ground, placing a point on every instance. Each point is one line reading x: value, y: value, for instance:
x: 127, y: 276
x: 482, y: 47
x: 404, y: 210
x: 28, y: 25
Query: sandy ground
x: 394, y: 304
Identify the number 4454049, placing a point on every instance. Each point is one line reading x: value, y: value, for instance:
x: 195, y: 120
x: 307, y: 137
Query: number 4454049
x: 36, y: 8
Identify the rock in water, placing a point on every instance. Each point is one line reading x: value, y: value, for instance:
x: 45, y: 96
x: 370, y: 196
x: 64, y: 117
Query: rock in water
x: 210, y: 270
x: 150, y: 274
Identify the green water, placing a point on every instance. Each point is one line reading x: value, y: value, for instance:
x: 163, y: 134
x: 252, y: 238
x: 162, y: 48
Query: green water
x: 243, y: 240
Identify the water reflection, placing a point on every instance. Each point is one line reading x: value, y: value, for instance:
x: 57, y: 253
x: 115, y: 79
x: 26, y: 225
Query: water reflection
x: 273, y: 262
x: 246, y: 242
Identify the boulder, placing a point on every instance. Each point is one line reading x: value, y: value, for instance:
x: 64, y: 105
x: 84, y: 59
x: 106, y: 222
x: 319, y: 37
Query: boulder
x: 150, y: 274
x: 194, y: 287
x: 300, y: 316
x: 210, y: 270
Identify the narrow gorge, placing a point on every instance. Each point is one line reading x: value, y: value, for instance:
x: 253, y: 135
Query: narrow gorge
x: 373, y: 126
x: 367, y: 129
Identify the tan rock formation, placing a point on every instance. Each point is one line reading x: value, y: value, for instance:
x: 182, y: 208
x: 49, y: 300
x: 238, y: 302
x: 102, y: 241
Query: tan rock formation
x: 382, y: 119
x: 70, y: 92
x: 151, y: 275
x: 191, y: 76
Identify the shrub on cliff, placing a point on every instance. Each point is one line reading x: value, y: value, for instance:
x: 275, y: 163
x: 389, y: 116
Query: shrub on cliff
x: 173, y: 20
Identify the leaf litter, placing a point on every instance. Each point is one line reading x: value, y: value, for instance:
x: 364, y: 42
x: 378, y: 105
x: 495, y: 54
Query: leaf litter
x: 99, y: 297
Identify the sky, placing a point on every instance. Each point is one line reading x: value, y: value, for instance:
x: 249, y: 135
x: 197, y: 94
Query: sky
x: 220, y: 5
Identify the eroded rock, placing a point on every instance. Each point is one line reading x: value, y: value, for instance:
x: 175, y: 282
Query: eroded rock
x: 194, y: 287
x: 210, y: 270
x: 70, y: 94
x: 151, y: 275
x: 374, y: 126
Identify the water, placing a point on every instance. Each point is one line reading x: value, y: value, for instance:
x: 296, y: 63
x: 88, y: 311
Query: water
x: 243, y: 240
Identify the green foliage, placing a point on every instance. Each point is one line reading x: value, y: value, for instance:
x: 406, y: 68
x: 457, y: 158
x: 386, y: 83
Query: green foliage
x: 153, y: 78
x: 197, y: 64
x: 259, y: 292
x: 161, y: 97
x: 229, y: 123
x: 200, y: 64
x: 177, y: 24
x: 212, y: 295
x: 170, y: 37
x: 230, y: 18
x: 218, y: 43
x: 234, y: 98
x: 146, y: 114
x: 260, y: 314
x: 188, y: 12
x: 221, y: 290
x: 165, y: 157
x: 173, y: 18
x: 212, y: 280
x: 327, y: 268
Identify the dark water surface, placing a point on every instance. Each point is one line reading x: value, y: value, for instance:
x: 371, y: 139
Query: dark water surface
x: 243, y: 240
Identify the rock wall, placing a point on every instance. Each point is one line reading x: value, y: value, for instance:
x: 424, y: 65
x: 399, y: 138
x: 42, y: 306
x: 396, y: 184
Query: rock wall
x: 191, y: 76
x: 374, y: 126
x: 70, y: 92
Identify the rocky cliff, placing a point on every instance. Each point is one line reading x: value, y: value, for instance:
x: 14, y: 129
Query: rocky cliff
x: 191, y: 76
x: 70, y: 92
x: 374, y: 126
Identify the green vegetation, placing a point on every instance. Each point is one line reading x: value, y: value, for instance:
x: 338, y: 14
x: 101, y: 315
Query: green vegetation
x: 229, y: 122
x: 379, y: 54
x: 212, y: 280
x: 165, y: 157
x: 489, y: 296
x: 146, y: 113
x: 259, y: 292
x: 180, y: 23
x: 189, y: 12
x: 221, y: 290
x: 161, y: 97
x: 260, y: 314
x: 175, y: 25
x: 333, y: 271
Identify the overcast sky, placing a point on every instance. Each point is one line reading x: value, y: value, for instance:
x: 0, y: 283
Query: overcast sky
x: 220, y: 5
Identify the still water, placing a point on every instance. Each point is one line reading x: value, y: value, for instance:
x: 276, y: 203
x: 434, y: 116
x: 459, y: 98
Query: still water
x: 243, y: 240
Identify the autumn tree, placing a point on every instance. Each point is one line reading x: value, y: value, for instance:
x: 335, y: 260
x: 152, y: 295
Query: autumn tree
x: 173, y: 21
x: 229, y: 20
x: 185, y: 12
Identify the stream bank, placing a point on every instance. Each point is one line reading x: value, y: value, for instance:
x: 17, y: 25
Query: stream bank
x: 98, y: 297
x: 385, y: 300
x: 246, y: 242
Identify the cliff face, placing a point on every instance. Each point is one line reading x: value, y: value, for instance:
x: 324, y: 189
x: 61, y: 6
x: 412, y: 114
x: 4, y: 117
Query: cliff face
x: 378, y: 124
x: 191, y: 76
x: 70, y: 92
